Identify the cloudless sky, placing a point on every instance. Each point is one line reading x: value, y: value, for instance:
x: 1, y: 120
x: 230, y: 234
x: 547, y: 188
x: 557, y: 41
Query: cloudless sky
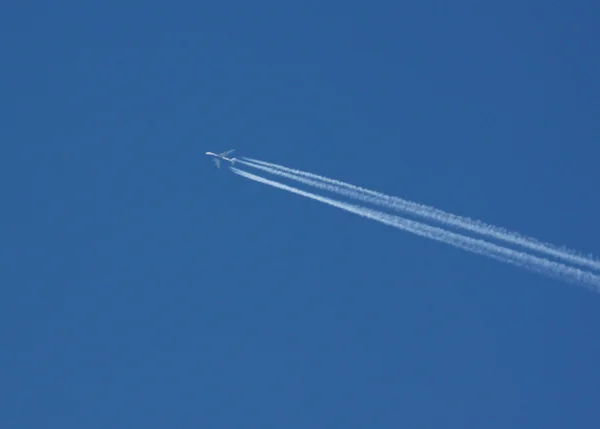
x: 143, y: 288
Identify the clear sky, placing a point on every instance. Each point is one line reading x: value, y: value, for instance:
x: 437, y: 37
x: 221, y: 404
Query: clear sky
x: 143, y: 288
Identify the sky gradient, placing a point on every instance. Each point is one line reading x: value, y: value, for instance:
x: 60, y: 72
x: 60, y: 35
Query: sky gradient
x: 142, y: 287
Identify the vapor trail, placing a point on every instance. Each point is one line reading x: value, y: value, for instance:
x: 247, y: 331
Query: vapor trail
x: 432, y: 214
x: 478, y: 246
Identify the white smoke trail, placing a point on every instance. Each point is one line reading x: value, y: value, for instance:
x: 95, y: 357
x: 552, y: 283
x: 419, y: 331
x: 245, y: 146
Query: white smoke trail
x: 433, y: 214
x: 478, y: 246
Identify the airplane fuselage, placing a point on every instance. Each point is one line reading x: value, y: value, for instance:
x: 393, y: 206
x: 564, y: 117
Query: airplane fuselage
x: 216, y: 155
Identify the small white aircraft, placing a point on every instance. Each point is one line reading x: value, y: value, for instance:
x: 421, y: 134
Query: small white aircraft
x: 222, y: 156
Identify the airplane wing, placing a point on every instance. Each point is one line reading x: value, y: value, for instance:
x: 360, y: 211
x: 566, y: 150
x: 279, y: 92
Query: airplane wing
x: 217, y: 162
x: 226, y: 153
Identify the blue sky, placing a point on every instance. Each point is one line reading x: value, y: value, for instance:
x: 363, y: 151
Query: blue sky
x: 142, y: 287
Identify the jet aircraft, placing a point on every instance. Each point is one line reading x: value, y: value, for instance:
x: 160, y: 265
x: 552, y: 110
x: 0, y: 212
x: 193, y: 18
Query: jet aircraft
x: 221, y: 156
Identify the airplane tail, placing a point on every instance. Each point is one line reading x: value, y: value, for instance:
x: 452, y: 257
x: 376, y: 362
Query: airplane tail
x: 233, y: 160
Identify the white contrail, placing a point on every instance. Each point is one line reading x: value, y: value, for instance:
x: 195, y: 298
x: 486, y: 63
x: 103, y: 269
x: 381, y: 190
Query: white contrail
x: 478, y: 246
x: 433, y: 214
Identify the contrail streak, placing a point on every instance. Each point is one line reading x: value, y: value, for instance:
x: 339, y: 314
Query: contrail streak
x: 432, y: 214
x: 478, y: 246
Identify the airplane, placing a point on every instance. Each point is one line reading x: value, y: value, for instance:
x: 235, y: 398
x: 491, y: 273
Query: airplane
x: 222, y: 156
